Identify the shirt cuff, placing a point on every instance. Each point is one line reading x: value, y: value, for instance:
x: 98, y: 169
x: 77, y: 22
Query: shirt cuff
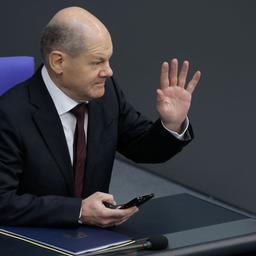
x: 80, y: 215
x: 179, y: 136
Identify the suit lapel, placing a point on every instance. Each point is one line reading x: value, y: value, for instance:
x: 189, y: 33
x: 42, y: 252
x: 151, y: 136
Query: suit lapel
x: 50, y: 127
x: 95, y: 127
x: 99, y: 118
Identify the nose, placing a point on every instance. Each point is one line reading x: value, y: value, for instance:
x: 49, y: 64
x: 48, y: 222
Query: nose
x: 107, y: 71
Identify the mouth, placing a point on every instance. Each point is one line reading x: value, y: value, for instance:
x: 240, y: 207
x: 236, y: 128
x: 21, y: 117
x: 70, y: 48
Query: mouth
x: 100, y: 83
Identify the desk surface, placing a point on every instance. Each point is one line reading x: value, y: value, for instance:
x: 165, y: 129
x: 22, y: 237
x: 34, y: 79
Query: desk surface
x: 205, y: 221
x: 144, y: 182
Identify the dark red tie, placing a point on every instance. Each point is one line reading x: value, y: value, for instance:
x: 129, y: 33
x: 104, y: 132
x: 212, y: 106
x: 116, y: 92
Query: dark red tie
x: 79, y: 148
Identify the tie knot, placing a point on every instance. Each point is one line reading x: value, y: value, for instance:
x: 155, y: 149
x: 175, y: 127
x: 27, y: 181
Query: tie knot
x: 79, y: 110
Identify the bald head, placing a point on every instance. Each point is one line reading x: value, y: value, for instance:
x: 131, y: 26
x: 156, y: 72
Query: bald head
x: 71, y: 30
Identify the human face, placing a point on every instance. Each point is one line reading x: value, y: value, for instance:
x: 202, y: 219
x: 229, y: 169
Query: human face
x: 84, y: 76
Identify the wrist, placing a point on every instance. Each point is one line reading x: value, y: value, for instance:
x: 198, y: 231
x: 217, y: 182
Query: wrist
x: 175, y: 127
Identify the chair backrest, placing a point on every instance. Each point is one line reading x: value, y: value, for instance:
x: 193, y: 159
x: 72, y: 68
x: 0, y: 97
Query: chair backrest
x: 14, y: 70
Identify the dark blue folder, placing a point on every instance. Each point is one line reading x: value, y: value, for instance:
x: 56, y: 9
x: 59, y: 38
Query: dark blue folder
x: 71, y: 240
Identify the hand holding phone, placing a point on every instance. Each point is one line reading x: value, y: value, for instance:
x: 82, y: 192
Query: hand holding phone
x: 137, y: 201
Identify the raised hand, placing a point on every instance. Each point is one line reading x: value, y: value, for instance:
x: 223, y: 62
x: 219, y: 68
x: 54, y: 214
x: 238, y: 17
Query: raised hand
x: 174, y: 95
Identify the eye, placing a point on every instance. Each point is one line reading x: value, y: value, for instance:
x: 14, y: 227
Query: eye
x: 97, y: 62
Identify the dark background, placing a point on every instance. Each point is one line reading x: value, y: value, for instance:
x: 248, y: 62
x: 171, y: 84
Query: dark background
x: 218, y: 37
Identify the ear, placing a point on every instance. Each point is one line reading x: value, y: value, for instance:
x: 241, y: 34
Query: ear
x: 56, y: 61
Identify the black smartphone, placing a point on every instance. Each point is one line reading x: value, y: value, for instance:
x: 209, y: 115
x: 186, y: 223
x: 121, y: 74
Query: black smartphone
x: 137, y: 201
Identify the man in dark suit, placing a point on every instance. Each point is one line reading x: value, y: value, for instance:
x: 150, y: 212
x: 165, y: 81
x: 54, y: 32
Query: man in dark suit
x: 40, y: 147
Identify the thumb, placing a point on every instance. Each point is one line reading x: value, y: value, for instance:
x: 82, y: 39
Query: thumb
x: 108, y: 198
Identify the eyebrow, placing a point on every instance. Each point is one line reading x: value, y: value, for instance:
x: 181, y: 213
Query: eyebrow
x: 101, y: 57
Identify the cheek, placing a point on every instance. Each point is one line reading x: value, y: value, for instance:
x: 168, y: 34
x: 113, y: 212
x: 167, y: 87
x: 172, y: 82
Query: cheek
x: 83, y: 78
x: 89, y: 74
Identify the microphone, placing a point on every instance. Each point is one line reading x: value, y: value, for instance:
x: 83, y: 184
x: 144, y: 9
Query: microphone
x: 159, y: 242
x: 155, y: 243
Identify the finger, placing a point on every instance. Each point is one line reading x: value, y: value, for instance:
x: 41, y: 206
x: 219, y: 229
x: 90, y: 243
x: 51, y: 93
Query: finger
x: 104, y: 197
x: 108, y: 201
x: 120, y: 221
x: 183, y: 74
x: 121, y: 213
x: 173, y: 72
x: 164, y: 79
x: 107, y: 223
x: 159, y: 95
x: 114, y: 214
x: 114, y: 220
x: 194, y: 81
x: 113, y: 217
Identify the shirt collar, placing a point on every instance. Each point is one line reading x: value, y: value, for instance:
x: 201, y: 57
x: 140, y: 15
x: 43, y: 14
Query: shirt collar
x: 62, y: 102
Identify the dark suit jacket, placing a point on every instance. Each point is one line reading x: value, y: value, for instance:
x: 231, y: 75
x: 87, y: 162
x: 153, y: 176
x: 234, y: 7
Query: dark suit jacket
x: 36, y: 177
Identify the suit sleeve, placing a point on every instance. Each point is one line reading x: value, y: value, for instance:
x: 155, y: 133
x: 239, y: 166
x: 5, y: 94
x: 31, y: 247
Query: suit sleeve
x: 27, y: 209
x: 144, y: 141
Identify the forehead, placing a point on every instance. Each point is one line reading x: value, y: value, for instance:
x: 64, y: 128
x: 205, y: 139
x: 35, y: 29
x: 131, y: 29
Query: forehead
x: 100, y: 47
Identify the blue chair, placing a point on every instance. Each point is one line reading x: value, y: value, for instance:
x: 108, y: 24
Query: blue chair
x: 14, y: 70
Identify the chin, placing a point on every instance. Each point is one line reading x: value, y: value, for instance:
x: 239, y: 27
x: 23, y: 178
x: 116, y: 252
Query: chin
x: 97, y: 94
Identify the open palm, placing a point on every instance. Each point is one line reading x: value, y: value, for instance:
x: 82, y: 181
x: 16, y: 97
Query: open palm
x: 174, y: 96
